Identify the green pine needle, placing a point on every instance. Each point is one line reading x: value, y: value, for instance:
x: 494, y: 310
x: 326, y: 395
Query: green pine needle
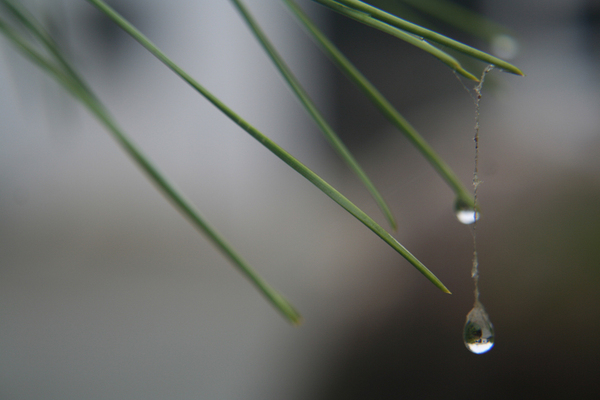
x: 272, y: 146
x: 311, y: 108
x: 60, y: 70
x: 386, y: 108
x: 374, y: 13
x: 400, y: 34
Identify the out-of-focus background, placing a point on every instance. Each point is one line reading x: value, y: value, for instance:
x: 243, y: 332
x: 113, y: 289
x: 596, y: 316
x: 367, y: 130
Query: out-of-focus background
x: 107, y: 293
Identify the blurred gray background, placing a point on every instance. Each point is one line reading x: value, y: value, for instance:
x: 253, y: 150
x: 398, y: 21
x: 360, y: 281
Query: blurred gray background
x: 106, y: 292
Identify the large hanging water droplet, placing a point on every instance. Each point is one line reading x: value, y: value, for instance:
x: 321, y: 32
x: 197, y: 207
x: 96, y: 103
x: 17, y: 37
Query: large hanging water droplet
x: 465, y: 214
x: 479, y: 331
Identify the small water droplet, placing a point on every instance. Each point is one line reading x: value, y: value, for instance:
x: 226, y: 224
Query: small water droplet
x: 465, y: 214
x: 505, y: 46
x: 479, y: 331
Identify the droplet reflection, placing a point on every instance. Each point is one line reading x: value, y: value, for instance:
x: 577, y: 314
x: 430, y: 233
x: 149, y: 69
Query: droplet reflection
x: 479, y: 331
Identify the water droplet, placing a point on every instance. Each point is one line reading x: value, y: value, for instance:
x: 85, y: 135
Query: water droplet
x: 479, y: 331
x: 505, y: 46
x: 465, y: 214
